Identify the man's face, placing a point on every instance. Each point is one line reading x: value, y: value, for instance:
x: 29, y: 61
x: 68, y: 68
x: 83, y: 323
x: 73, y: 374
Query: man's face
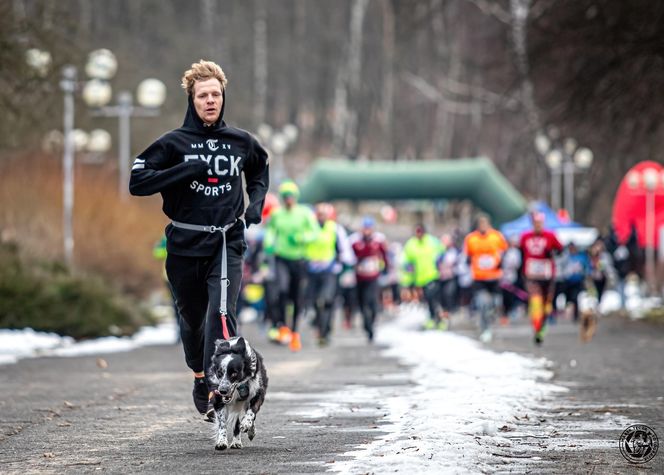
x: 483, y: 225
x: 289, y: 199
x: 208, y: 100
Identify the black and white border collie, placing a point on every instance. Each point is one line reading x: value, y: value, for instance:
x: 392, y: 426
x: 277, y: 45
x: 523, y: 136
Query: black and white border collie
x: 239, y: 384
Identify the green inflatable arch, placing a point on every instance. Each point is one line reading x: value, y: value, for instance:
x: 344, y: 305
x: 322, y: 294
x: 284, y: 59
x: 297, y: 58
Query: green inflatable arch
x: 475, y: 179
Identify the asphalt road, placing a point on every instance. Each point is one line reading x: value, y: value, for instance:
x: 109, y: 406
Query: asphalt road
x: 69, y: 415
x: 132, y: 412
x: 613, y: 381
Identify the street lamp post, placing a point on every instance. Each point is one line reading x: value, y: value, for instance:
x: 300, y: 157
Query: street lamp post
x: 101, y: 66
x: 124, y: 110
x: 580, y: 161
x: 563, y: 161
x: 151, y: 95
x: 553, y: 160
x: 125, y: 101
x: 68, y: 86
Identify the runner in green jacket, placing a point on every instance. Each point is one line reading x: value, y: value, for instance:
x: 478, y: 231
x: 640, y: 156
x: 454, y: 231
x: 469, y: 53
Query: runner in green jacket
x: 291, y: 228
x: 421, y: 253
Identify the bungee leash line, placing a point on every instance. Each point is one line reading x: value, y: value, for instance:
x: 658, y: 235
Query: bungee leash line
x: 224, y: 281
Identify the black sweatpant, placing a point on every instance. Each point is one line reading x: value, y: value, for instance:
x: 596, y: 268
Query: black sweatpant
x: 572, y: 291
x: 431, y: 293
x: 447, y: 294
x: 322, y: 287
x: 348, y: 297
x: 367, y: 296
x: 197, y: 287
x: 291, y: 277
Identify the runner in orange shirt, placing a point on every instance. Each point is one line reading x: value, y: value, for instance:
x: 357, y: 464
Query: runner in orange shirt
x: 484, y: 248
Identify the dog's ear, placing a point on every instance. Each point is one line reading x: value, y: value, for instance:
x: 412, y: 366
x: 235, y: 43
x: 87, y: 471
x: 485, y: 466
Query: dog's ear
x: 250, y: 358
x: 222, y: 346
x: 240, y: 346
x: 253, y: 360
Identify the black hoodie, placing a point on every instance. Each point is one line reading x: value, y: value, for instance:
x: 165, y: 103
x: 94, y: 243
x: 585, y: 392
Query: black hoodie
x: 197, y: 169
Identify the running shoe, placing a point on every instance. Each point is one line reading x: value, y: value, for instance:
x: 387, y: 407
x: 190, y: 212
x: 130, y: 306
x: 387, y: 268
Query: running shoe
x: 201, y: 395
x: 285, y: 335
x: 273, y: 335
x: 430, y: 324
x: 295, y: 343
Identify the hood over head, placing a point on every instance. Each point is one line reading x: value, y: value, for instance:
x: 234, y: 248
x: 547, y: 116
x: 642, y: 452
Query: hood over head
x: 195, y: 123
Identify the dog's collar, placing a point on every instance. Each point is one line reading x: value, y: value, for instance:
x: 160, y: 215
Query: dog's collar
x: 235, y: 387
x: 243, y: 391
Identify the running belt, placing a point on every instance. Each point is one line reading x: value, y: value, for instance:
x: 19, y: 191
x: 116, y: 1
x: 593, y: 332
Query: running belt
x: 224, y: 281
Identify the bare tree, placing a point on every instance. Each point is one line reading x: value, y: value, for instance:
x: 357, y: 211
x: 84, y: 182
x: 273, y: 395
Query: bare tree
x: 387, y: 98
x: 19, y: 10
x: 260, y: 61
x: 348, y: 86
x: 416, y: 78
x: 209, y: 20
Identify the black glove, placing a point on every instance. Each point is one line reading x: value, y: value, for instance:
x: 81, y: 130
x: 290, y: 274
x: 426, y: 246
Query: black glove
x: 252, y: 217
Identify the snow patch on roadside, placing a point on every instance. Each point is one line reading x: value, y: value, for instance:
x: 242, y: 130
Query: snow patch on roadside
x: 27, y: 343
x: 450, y: 421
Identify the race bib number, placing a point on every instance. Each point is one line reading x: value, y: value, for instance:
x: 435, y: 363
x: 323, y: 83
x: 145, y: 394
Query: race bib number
x: 445, y: 271
x: 368, y: 266
x: 539, y: 269
x: 575, y: 268
x: 347, y: 279
x: 486, y: 262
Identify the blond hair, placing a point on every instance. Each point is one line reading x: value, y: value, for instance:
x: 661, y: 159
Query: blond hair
x: 202, y: 71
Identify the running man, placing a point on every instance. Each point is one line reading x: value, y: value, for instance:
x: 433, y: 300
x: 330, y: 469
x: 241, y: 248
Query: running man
x: 575, y: 270
x: 370, y: 249
x: 538, y: 248
x: 290, y: 229
x: 198, y: 170
x: 325, y: 257
x: 447, y: 277
x: 420, y: 255
x: 511, y: 283
x: 484, y: 247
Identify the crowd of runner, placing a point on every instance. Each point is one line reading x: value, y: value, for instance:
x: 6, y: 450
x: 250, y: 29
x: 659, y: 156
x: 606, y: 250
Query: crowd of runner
x: 304, y: 266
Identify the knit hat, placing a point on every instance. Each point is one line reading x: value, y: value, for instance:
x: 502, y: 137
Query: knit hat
x: 289, y: 188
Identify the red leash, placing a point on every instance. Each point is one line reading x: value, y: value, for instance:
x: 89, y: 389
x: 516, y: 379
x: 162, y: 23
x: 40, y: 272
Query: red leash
x: 224, y: 328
